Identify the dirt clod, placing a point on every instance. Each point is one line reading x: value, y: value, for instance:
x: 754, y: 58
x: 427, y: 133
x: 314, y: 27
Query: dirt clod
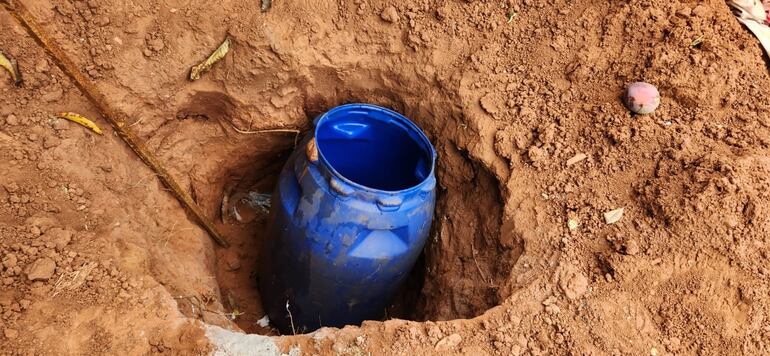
x: 10, y: 333
x: 448, y: 343
x: 11, y: 120
x: 390, y: 14
x: 57, y: 236
x: 573, y: 282
x: 632, y: 247
x: 41, y: 270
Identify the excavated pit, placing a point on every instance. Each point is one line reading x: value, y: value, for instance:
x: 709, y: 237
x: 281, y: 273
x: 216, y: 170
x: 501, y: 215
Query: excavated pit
x: 465, y: 267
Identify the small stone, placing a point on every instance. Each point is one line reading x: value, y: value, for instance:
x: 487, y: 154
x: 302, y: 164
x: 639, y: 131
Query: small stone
x: 41, y: 270
x: 390, y: 14
x: 613, y: 216
x: 572, y: 224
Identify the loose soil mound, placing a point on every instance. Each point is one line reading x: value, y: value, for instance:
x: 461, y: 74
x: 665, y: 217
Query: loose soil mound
x: 98, y: 258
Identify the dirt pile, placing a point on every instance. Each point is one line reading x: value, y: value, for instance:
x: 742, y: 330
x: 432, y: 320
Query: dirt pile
x: 522, y: 100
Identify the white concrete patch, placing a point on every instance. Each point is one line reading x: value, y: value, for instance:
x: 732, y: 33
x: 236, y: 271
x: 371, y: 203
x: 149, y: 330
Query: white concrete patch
x: 231, y: 343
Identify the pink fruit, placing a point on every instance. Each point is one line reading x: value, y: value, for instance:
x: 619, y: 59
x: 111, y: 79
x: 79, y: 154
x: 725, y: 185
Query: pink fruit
x: 642, y: 98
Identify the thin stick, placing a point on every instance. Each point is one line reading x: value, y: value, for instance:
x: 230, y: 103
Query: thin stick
x: 473, y: 253
x: 291, y: 318
x: 296, y: 132
x: 25, y: 18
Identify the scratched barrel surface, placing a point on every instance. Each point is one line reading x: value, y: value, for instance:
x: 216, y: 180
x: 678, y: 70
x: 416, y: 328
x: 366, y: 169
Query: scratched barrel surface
x: 350, y: 215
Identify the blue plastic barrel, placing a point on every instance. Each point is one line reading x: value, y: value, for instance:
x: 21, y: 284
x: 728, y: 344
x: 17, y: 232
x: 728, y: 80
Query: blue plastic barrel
x: 351, y: 214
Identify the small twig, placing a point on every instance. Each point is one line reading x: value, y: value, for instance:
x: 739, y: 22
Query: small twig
x: 291, y: 318
x: 697, y: 41
x: 483, y: 276
x: 57, y: 284
x: 511, y: 15
x: 226, y: 202
x: 296, y: 132
x: 74, y: 279
x: 136, y: 122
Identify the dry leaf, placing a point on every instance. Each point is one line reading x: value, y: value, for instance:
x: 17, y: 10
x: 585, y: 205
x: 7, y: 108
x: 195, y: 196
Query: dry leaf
x: 613, y: 216
x: 205, y: 66
x: 12, y: 67
x: 81, y: 120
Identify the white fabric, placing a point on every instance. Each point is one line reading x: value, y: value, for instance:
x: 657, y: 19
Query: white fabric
x: 752, y: 14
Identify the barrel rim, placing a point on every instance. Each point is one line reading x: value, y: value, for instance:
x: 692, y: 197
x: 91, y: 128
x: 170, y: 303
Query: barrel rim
x: 395, y: 115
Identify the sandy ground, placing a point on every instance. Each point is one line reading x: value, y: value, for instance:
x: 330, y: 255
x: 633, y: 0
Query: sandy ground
x: 98, y: 258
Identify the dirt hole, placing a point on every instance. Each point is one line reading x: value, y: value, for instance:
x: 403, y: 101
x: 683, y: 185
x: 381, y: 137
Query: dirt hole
x: 462, y: 272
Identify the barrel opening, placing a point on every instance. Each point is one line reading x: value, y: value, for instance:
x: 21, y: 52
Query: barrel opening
x: 374, y: 147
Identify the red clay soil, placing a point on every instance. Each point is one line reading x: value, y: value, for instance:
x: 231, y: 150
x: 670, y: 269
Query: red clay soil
x: 98, y: 258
